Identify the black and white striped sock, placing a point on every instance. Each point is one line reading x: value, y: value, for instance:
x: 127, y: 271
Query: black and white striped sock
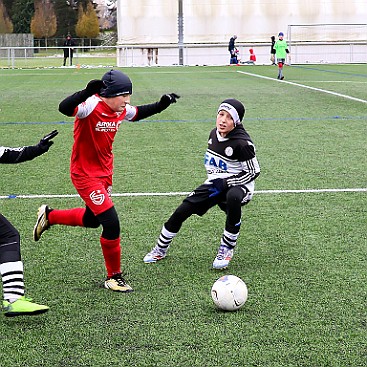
x: 12, y: 277
x: 229, y: 239
x: 165, y: 238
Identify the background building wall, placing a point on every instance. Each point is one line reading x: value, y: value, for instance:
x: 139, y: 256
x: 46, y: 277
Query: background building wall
x: 147, y: 27
x: 215, y: 21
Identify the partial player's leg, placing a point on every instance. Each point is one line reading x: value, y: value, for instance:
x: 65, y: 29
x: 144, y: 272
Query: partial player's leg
x: 46, y: 217
x: 96, y: 195
x: 11, y: 270
x: 280, y: 68
x: 168, y: 232
x: 232, y: 207
x: 111, y: 250
x: 198, y: 202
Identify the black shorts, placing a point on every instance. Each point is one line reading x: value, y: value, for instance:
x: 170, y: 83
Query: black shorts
x: 202, y: 201
x: 9, y: 242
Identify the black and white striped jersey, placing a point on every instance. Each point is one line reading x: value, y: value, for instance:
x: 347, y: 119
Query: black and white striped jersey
x: 232, y: 158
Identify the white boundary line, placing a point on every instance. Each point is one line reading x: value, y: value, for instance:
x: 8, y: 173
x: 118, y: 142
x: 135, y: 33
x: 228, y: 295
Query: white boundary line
x: 135, y: 194
x: 305, y: 86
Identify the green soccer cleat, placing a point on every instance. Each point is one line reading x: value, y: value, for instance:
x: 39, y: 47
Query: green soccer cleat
x: 23, y: 306
x: 117, y: 283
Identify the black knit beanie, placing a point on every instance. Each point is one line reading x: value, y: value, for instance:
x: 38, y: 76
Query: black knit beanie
x: 116, y: 83
x: 235, y: 108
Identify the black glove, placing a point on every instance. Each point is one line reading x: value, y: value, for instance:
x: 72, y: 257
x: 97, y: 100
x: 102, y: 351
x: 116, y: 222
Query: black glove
x: 167, y: 99
x: 68, y: 105
x: 94, y: 86
x: 218, y: 185
x: 174, y: 97
x: 46, y: 141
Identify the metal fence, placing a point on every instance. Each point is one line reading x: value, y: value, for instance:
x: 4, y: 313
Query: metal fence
x: 48, y: 57
x: 217, y: 54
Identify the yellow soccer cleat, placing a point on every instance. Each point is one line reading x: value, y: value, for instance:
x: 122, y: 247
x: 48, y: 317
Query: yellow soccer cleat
x: 42, y: 222
x: 117, y: 283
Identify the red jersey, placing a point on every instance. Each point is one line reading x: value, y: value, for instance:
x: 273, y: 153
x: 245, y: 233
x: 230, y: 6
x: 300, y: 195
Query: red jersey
x: 95, y: 128
x: 252, y: 55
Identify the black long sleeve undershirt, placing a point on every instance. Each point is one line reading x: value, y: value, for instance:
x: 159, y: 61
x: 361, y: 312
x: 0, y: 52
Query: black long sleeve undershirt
x: 68, y: 105
x: 148, y: 110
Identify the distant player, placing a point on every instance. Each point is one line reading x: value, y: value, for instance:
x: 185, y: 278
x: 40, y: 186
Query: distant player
x: 252, y: 58
x: 99, y: 109
x: 232, y: 167
x: 232, y: 50
x: 272, y: 50
x: 15, y: 303
x: 281, y: 51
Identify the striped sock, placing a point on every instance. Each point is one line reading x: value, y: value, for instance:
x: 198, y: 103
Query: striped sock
x: 165, y: 238
x: 12, y: 277
x: 229, y: 239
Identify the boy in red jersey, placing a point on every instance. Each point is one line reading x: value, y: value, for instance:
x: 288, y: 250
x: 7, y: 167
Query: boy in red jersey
x: 99, y: 110
x: 252, y: 58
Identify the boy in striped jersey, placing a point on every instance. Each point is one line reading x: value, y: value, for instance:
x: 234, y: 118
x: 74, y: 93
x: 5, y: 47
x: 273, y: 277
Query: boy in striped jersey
x: 232, y: 167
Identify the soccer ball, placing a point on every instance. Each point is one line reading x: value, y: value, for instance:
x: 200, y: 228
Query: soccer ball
x: 229, y: 293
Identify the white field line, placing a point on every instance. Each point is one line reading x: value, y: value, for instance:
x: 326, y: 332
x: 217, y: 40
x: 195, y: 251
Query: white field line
x: 135, y: 194
x: 329, y: 81
x: 305, y: 86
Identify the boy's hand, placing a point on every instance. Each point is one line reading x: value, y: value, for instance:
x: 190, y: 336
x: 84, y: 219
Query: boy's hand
x: 218, y: 185
x: 45, y: 143
x: 94, y: 86
x: 167, y: 99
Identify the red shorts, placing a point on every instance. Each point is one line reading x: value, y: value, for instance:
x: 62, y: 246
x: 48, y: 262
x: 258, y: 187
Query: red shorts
x: 95, y: 192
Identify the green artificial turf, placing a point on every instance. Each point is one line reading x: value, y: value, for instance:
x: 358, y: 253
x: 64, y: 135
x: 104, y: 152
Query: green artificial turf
x: 301, y: 254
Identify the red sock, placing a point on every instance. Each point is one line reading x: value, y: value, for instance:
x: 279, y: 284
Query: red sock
x: 111, y: 250
x: 68, y: 217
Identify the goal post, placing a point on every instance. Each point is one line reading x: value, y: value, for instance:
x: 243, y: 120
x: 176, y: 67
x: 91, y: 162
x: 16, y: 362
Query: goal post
x: 328, y: 43
x: 327, y: 32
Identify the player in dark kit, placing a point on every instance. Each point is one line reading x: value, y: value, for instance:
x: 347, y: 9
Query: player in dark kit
x: 272, y: 51
x: 99, y: 110
x: 232, y: 167
x: 68, y: 49
x: 232, y: 50
x: 11, y: 266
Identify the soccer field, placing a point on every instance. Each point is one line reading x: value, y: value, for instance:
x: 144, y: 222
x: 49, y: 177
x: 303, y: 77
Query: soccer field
x: 301, y: 251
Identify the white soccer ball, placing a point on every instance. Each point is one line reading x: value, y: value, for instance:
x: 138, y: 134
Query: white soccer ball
x: 229, y: 293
